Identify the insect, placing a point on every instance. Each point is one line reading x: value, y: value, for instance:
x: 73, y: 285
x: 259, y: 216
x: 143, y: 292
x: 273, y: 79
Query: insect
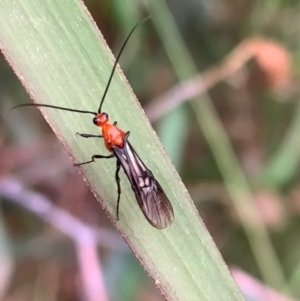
x: 149, y: 194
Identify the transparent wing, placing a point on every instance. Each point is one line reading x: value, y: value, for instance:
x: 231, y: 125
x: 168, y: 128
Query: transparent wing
x: 150, y: 196
x: 153, y: 202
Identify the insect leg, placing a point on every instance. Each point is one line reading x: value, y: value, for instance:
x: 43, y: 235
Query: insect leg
x: 118, y: 185
x: 115, y: 123
x: 127, y: 135
x: 93, y: 159
x: 89, y: 135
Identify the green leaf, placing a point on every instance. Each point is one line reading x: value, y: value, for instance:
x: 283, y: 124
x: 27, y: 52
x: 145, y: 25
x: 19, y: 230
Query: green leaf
x: 62, y: 59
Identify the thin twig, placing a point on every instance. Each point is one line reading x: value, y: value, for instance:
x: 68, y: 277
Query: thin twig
x: 254, y: 289
x: 189, y: 89
x: 77, y: 230
x: 91, y: 272
x: 86, y: 238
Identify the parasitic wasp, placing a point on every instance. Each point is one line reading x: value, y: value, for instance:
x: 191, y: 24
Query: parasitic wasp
x: 149, y: 194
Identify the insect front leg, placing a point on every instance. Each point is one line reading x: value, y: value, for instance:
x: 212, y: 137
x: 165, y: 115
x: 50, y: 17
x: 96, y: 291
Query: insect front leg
x: 93, y: 159
x: 89, y: 135
x: 118, y: 185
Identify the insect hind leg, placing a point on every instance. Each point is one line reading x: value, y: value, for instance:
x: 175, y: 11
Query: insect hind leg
x: 117, y: 177
x: 126, y: 135
x: 93, y: 159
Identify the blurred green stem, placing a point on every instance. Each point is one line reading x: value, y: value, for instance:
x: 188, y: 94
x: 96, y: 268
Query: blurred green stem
x: 208, y: 120
x: 285, y: 162
x: 293, y: 283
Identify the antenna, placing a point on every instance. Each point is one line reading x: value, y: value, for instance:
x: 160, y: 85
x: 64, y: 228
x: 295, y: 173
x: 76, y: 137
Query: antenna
x: 106, y: 89
x: 50, y: 106
x: 117, y: 60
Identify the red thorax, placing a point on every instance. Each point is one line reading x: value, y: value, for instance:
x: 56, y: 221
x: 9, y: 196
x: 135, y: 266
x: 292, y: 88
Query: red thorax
x: 112, y: 135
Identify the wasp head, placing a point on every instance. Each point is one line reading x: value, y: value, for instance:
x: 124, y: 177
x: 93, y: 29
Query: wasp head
x: 100, y: 119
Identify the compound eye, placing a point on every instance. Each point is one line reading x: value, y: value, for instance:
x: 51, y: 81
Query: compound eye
x: 95, y: 120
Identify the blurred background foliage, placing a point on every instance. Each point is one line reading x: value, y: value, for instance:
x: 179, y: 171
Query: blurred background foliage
x: 258, y: 110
